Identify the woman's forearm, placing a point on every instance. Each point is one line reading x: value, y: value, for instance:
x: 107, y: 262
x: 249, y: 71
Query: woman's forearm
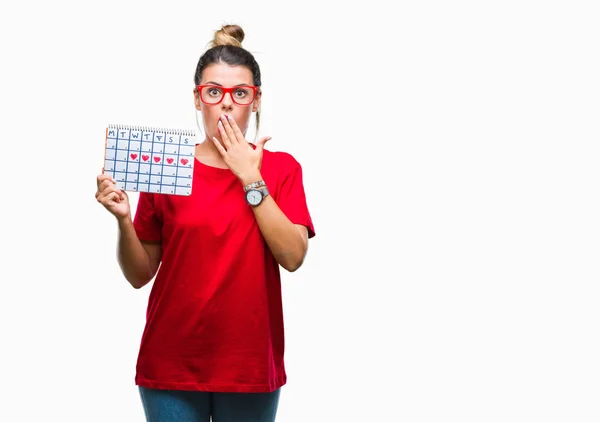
x: 133, y: 259
x: 286, y: 243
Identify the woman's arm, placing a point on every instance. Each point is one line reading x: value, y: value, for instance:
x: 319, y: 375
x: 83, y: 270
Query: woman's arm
x: 287, y: 241
x: 138, y: 260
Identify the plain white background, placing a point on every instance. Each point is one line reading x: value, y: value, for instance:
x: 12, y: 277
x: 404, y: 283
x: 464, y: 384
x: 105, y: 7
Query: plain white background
x: 450, y: 156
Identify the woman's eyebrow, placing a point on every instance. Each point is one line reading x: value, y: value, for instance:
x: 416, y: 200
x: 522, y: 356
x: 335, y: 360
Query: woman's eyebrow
x: 216, y: 83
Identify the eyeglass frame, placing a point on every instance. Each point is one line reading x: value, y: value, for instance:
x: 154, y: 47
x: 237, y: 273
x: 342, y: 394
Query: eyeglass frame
x: 228, y: 90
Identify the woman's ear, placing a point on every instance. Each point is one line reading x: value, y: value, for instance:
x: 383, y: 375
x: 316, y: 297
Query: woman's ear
x: 256, y: 103
x: 196, y: 99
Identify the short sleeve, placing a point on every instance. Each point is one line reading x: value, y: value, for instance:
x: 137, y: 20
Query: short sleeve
x: 146, y: 222
x: 291, y: 197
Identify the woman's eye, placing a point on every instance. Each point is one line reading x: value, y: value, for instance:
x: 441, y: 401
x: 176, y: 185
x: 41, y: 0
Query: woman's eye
x: 214, y: 92
x: 241, y: 93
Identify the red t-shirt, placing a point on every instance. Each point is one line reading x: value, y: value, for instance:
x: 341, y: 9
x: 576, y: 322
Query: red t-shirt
x: 215, y: 320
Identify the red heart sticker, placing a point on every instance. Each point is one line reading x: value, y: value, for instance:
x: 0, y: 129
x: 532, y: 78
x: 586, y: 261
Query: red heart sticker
x: 157, y: 159
x: 133, y: 156
x: 170, y: 160
x: 184, y: 161
x: 145, y: 157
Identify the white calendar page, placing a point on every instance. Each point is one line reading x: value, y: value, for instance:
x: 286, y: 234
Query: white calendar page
x: 145, y: 159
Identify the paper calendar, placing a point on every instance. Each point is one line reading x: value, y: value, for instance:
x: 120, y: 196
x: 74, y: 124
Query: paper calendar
x: 148, y: 159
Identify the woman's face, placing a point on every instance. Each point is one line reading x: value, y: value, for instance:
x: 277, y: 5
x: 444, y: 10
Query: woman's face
x: 228, y: 77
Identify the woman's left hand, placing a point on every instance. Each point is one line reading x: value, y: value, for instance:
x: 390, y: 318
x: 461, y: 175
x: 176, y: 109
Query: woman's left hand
x: 243, y: 160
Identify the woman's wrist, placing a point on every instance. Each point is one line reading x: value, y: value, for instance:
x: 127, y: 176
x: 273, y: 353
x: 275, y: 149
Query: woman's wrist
x: 250, y: 178
x: 124, y: 221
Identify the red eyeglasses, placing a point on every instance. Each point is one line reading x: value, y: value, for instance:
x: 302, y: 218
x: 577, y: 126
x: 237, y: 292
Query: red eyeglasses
x: 214, y: 94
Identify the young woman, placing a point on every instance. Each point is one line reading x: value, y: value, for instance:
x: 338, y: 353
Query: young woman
x: 213, y: 344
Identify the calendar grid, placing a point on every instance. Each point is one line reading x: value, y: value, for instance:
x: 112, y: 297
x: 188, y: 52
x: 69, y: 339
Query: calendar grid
x: 139, y: 167
x: 151, y: 164
x: 128, y: 157
x: 162, y: 163
x: 178, y: 161
x: 139, y: 158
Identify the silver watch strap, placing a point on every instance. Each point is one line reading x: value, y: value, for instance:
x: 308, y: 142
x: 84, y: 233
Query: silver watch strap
x: 254, y: 185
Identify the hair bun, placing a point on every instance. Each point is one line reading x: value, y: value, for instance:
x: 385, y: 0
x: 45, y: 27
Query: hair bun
x: 228, y: 35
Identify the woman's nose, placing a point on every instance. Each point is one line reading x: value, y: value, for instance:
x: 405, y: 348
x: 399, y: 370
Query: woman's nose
x: 227, y: 100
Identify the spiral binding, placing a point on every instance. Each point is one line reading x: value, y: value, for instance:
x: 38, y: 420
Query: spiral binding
x: 183, y: 132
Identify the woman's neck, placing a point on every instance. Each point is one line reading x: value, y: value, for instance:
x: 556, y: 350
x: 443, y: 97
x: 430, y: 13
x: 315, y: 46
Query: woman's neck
x: 206, y: 152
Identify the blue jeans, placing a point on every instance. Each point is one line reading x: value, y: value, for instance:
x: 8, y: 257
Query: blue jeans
x: 199, y: 406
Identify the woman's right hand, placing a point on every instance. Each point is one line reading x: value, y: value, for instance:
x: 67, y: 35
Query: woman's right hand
x: 112, y: 198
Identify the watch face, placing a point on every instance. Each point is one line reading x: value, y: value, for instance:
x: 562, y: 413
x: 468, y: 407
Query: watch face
x: 253, y: 197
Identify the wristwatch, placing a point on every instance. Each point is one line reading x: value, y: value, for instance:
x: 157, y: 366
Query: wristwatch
x: 256, y: 192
